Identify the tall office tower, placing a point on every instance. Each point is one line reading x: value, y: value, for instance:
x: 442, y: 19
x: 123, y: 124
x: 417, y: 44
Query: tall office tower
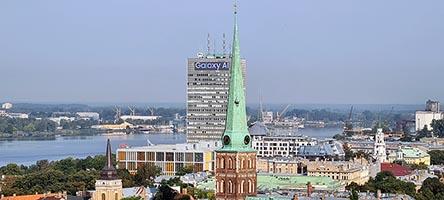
x: 207, y: 95
x: 236, y: 176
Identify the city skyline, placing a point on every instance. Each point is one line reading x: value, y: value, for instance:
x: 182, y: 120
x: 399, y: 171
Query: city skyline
x: 298, y: 52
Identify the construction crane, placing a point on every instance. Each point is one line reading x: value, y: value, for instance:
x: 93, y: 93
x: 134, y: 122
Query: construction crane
x: 348, y: 121
x: 118, y: 113
x: 281, y: 115
x: 151, y: 110
x: 132, y: 111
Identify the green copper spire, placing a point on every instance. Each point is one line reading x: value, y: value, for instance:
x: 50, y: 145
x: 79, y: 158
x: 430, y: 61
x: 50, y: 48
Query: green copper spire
x: 236, y: 136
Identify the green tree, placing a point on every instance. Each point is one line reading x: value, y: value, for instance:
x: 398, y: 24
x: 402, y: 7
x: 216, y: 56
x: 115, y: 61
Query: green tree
x: 184, y: 170
x: 438, y: 127
x: 347, y: 150
x: 354, y: 195
x: 436, y: 157
x: 127, y: 178
x: 11, y: 169
x: 132, y: 198
x: 424, y: 132
x: 146, y: 174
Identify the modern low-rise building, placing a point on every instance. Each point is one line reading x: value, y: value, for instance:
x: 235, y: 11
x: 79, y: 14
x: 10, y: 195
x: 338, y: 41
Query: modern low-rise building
x: 280, y: 146
x: 170, y: 158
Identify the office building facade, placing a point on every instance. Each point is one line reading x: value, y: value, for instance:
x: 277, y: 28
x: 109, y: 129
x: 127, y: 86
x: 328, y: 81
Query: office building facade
x: 207, y: 96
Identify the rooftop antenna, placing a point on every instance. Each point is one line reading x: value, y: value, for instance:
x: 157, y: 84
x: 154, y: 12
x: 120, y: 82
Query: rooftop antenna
x: 208, y: 43
x: 223, y: 44
x: 214, y: 48
x: 260, y: 116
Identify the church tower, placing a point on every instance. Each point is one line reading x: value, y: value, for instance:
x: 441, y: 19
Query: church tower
x: 236, y: 176
x: 108, y: 185
x: 379, y: 152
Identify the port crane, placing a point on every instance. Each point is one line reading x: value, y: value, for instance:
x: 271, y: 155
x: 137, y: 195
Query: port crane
x: 281, y: 115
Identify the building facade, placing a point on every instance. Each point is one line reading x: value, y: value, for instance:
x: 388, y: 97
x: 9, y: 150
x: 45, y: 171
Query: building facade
x: 379, y: 152
x: 108, y: 185
x: 170, y: 158
x: 236, y: 176
x: 280, y: 146
x: 207, y: 95
x: 357, y: 170
x: 425, y: 117
x: 410, y: 155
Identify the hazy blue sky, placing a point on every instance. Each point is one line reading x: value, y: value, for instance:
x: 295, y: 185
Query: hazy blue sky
x: 307, y: 51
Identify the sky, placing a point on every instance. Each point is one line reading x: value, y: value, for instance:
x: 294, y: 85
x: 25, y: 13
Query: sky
x: 305, y: 51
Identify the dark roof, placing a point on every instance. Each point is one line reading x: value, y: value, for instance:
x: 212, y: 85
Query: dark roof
x: 258, y: 129
x: 396, y: 169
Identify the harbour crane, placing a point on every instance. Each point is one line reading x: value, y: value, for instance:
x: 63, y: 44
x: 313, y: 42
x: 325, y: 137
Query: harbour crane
x: 151, y: 110
x: 118, y: 113
x: 348, y: 121
x: 132, y: 111
x: 281, y: 115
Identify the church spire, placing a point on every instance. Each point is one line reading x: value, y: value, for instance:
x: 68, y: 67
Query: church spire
x: 236, y: 136
x: 108, y: 172
x: 109, y: 163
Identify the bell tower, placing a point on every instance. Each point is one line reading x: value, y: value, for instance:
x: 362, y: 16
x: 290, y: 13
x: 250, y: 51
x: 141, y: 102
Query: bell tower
x: 108, y: 185
x: 236, y: 176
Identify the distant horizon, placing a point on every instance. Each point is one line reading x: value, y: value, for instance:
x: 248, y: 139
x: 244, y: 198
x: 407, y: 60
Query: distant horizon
x: 254, y: 105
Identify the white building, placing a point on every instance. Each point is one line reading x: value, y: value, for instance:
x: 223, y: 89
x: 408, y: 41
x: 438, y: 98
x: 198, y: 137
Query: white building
x: 139, y: 117
x: 425, y: 118
x: 88, y: 115
x: 379, y: 152
x: 7, y: 106
x: 19, y: 115
x: 280, y: 146
x: 267, y: 117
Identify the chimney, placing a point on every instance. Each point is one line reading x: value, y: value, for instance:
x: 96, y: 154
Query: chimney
x: 65, y: 195
x: 14, y: 195
x: 308, y: 189
x: 184, y: 191
x: 295, y: 197
x: 404, y: 198
x: 378, y: 194
x: 2, y: 196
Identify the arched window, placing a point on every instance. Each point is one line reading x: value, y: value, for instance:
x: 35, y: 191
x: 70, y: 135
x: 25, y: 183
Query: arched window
x: 230, y: 186
x: 250, y: 186
x: 116, y: 197
x: 103, y: 196
x: 242, y: 187
x: 222, y: 163
x: 222, y: 187
x: 230, y: 163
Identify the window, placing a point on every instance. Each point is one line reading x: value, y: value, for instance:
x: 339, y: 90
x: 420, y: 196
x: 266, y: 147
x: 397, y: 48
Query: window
x: 103, y: 196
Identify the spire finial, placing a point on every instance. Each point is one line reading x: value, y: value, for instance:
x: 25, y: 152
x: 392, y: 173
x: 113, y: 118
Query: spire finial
x: 235, y: 7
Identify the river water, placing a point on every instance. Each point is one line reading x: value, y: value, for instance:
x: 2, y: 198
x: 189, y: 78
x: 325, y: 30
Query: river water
x: 27, y: 152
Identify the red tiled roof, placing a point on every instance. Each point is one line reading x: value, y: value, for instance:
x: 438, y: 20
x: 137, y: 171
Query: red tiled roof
x: 396, y: 169
x: 28, y: 197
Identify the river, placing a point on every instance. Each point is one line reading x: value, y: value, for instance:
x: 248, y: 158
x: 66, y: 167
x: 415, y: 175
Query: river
x: 27, y: 152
